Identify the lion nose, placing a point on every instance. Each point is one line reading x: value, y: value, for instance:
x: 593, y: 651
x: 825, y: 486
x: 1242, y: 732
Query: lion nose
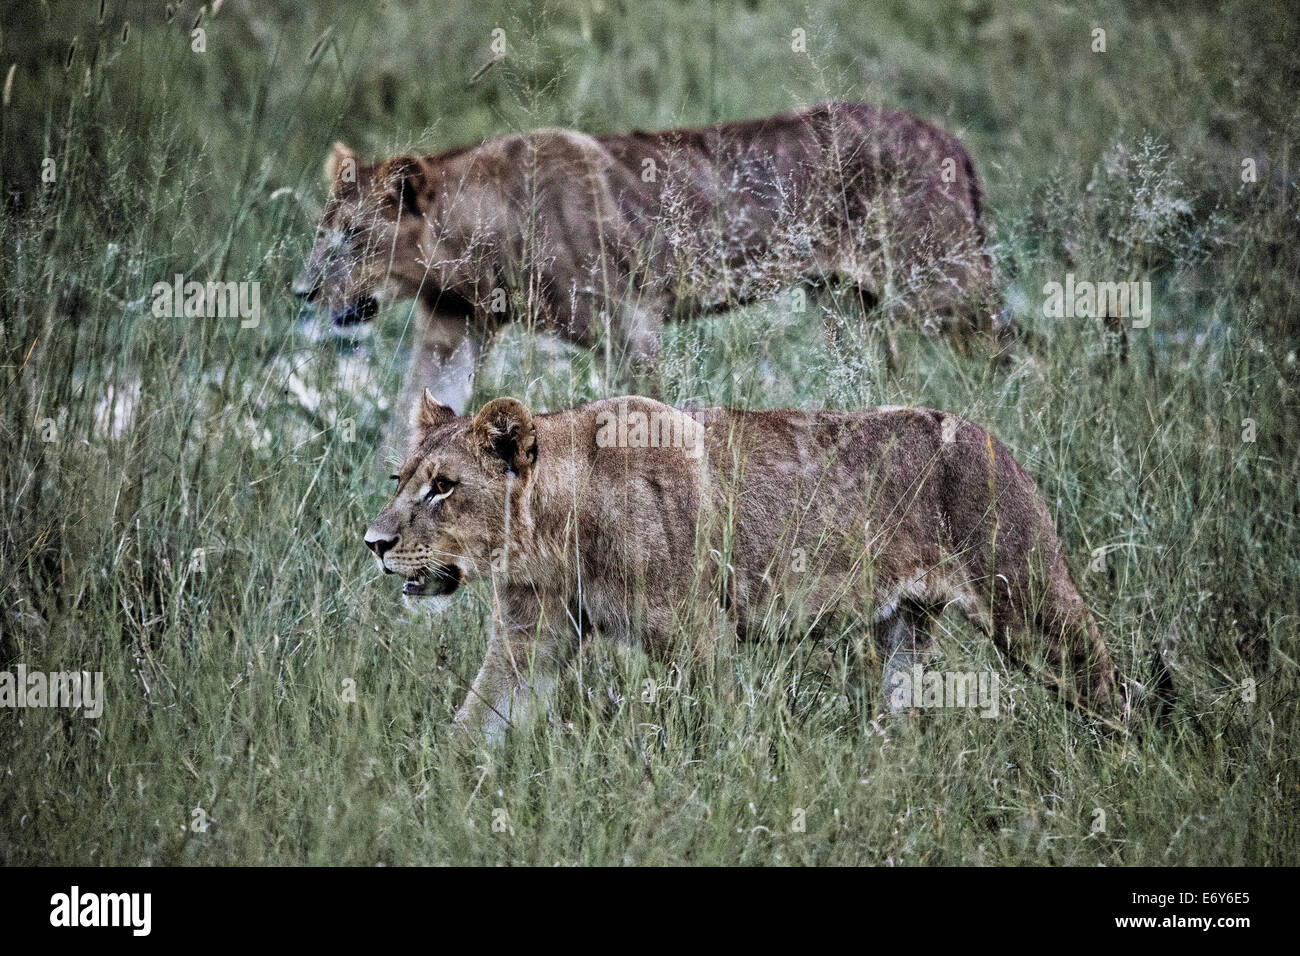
x: 380, y: 544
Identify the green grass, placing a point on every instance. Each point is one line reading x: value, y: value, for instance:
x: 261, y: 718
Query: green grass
x: 225, y: 675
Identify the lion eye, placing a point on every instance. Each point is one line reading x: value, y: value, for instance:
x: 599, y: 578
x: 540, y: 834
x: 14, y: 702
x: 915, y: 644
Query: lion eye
x: 440, y: 488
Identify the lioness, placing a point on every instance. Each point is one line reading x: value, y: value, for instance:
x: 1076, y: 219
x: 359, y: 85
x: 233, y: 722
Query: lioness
x: 613, y: 517
x: 581, y: 234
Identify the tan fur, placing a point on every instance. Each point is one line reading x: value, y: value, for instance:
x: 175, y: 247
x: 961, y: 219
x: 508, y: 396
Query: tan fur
x: 576, y: 234
x: 886, y: 514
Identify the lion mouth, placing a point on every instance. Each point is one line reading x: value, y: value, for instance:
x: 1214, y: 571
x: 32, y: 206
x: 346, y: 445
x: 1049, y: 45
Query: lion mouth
x: 438, y: 582
x: 346, y: 328
x: 356, y: 313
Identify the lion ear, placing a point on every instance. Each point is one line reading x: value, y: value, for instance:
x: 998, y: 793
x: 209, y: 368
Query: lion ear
x: 503, y: 429
x: 402, y: 182
x: 342, y: 169
x: 429, y: 414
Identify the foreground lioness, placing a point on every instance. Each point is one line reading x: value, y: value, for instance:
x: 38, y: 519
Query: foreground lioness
x: 581, y: 234
x: 617, y: 516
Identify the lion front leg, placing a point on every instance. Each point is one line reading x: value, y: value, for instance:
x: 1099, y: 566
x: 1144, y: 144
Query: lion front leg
x: 638, y: 333
x: 524, y: 659
x: 905, y: 640
x: 444, y: 358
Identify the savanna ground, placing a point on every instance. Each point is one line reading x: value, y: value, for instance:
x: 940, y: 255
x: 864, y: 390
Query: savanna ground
x: 184, y: 499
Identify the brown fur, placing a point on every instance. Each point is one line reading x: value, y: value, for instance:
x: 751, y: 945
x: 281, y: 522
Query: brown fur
x: 890, y: 514
x: 574, y: 232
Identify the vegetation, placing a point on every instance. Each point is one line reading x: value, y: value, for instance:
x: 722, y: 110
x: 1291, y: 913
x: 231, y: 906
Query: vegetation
x: 184, y: 499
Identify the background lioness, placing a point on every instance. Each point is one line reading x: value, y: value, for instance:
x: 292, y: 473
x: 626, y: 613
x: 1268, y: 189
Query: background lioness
x: 582, y: 235
x: 614, y: 515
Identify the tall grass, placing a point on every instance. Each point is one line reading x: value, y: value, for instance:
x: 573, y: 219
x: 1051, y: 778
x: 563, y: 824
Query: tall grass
x: 184, y: 499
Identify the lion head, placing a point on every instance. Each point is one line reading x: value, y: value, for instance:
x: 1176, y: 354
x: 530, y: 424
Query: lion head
x: 368, y: 245
x: 456, y: 492
x: 394, y: 230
